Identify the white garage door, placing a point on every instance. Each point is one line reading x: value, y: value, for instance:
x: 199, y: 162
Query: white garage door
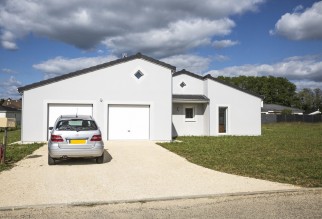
x: 129, y: 122
x: 56, y: 110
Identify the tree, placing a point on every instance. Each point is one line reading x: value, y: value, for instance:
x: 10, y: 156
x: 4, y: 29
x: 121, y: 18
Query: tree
x: 286, y: 112
x: 306, y: 99
x: 317, y: 99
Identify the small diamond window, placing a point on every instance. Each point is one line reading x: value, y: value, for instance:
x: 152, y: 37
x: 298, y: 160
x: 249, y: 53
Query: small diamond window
x: 138, y: 74
x: 183, y: 84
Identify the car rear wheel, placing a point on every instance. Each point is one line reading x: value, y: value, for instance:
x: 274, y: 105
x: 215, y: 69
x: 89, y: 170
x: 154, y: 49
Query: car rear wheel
x: 100, y: 159
x: 51, y: 160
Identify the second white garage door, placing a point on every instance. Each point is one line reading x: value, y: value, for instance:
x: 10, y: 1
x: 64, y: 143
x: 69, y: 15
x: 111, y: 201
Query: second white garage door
x: 129, y: 122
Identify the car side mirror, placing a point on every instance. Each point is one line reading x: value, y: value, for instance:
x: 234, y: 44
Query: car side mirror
x: 50, y: 128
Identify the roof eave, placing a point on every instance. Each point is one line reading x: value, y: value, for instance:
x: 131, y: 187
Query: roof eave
x: 189, y: 101
x: 94, y: 68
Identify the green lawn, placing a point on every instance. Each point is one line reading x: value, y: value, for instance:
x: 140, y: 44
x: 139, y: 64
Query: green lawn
x: 286, y: 152
x: 13, y: 136
x: 16, y: 152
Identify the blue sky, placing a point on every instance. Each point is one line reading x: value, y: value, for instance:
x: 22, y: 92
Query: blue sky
x: 44, y: 39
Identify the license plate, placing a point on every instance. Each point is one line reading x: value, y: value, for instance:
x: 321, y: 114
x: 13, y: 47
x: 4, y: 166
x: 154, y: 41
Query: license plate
x: 77, y: 141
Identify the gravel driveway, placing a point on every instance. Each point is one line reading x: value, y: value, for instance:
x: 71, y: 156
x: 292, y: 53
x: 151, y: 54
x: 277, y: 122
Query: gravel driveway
x: 132, y: 171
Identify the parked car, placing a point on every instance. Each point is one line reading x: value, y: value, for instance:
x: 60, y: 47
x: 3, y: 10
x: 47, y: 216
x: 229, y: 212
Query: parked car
x: 74, y: 137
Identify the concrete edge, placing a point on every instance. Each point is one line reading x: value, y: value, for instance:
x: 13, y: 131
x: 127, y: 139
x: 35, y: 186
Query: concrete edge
x: 90, y: 204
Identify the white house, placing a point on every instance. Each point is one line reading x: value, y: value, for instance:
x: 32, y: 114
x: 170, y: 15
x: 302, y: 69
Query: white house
x: 138, y: 97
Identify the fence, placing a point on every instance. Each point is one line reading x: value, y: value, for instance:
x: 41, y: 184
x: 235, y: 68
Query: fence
x: 272, y: 118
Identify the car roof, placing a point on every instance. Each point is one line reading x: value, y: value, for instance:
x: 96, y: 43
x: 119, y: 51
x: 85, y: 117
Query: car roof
x: 66, y: 117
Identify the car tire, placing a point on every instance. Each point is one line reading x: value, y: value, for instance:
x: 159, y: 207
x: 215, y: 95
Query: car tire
x: 100, y: 159
x: 51, y: 160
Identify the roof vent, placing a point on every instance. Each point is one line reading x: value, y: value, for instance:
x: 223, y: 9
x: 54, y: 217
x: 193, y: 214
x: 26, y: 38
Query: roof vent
x: 138, y: 74
x: 183, y: 84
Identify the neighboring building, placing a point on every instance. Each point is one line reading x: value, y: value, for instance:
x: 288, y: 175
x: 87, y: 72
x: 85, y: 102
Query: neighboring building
x: 8, y: 112
x: 278, y: 109
x: 315, y: 112
x: 16, y: 104
x: 138, y: 97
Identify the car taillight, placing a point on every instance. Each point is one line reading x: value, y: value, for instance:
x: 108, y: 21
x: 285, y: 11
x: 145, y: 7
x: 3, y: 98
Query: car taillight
x: 56, y: 138
x: 96, y: 138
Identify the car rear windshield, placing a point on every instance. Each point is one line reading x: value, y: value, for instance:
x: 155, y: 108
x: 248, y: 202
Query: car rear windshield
x: 76, y: 124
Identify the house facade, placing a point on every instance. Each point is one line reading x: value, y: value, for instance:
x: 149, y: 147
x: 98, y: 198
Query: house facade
x: 216, y: 107
x: 140, y: 98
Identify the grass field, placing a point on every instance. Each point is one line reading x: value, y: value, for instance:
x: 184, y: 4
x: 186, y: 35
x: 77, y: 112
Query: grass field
x: 16, y: 152
x: 13, y: 136
x: 286, y: 152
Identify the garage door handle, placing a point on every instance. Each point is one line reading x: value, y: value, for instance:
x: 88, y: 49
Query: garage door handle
x: 128, y: 131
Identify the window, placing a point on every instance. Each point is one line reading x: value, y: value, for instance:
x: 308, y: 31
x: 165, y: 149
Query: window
x: 76, y: 124
x: 189, y: 114
x: 182, y: 84
x: 138, y: 74
x: 222, y: 119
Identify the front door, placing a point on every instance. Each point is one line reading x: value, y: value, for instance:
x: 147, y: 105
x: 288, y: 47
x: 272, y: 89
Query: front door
x: 222, y: 119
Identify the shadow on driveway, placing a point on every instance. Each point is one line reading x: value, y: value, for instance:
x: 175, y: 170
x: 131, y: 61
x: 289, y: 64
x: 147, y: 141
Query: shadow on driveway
x: 83, y: 161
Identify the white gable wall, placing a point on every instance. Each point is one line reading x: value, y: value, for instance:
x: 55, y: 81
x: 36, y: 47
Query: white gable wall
x: 244, y: 110
x: 112, y: 85
x: 193, y: 85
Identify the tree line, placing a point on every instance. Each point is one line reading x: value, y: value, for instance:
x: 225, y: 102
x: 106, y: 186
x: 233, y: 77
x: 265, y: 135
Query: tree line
x: 278, y: 90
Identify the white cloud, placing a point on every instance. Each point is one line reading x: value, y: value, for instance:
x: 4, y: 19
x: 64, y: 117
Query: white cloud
x: 298, y: 8
x: 7, y: 40
x: 301, y: 26
x: 304, y: 70
x: 175, y: 39
x: 219, y: 44
x: 300, y: 84
x: 192, y: 63
x: 9, y: 88
x: 8, y: 71
x: 221, y: 58
x: 85, y: 24
x: 9, y: 45
x: 59, y: 65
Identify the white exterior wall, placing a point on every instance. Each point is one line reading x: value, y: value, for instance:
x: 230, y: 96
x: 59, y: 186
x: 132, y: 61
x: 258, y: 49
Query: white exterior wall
x: 187, y: 127
x: 193, y: 85
x: 244, y: 110
x: 112, y: 85
x: 200, y: 125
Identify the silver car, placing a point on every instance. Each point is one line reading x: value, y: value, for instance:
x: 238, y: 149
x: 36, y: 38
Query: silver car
x: 75, y: 136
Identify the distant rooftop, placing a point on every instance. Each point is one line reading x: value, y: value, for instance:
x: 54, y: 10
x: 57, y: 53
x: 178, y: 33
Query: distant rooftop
x: 275, y: 108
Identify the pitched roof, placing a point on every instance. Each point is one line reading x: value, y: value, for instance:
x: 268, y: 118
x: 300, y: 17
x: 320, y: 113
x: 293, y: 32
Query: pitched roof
x: 94, y: 68
x: 279, y: 108
x: 8, y: 109
x: 12, y: 103
x: 215, y: 79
